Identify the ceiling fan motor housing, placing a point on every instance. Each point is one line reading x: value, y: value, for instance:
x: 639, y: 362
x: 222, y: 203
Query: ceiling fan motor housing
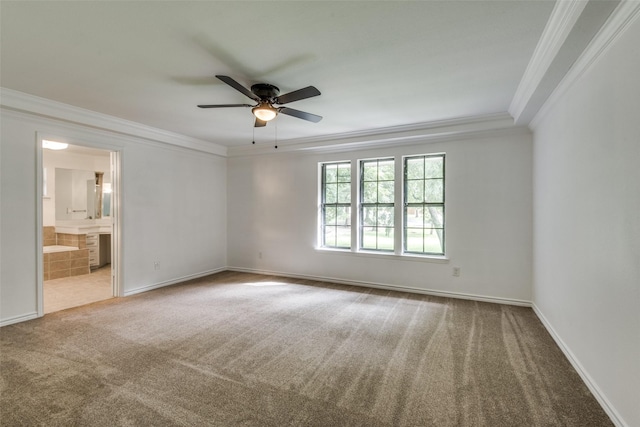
x: 265, y: 91
x: 266, y: 96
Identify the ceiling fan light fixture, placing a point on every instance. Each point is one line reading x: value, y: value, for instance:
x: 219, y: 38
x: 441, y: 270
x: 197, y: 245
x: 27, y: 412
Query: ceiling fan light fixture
x: 264, y: 112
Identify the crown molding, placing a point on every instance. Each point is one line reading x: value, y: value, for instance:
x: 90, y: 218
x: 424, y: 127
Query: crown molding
x: 438, y: 131
x: 563, y: 18
x: 626, y: 12
x: 35, y: 105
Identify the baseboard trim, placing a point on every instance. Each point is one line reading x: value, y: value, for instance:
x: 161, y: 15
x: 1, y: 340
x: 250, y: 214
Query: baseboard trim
x: 362, y: 284
x: 173, y: 281
x: 586, y: 378
x: 18, y: 319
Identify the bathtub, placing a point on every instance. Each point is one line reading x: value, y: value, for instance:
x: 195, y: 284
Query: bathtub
x: 60, y: 261
x: 58, y: 248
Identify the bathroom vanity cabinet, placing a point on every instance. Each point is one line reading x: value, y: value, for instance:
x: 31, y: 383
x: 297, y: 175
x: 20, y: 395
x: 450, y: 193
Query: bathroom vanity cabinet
x: 94, y: 249
x: 99, y: 245
x: 98, y: 240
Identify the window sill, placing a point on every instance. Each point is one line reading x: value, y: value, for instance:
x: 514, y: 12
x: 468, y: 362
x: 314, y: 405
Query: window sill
x: 438, y: 259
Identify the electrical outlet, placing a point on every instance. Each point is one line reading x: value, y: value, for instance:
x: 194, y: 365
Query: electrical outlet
x: 156, y: 265
x: 456, y: 272
x: 259, y: 255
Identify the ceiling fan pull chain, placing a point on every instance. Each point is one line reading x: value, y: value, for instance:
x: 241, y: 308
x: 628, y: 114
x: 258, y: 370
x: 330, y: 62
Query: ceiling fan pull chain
x: 276, y: 120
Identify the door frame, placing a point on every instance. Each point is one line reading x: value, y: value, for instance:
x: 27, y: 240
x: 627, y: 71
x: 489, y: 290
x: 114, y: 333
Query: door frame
x: 116, y: 153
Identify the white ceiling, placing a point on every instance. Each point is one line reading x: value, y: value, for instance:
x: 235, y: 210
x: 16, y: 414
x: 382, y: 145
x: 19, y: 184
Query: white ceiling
x: 377, y: 64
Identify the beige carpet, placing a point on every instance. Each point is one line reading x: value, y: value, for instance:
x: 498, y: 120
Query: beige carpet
x: 235, y: 349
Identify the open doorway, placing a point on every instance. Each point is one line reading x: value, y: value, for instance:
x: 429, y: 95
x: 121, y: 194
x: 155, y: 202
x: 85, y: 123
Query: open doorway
x: 78, y: 228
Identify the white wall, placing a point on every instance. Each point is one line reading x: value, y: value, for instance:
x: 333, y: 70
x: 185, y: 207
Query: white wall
x: 173, y: 209
x: 273, y: 210
x: 587, y: 224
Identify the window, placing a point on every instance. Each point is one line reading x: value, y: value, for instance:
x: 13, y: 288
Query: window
x: 407, y: 222
x: 424, y: 204
x: 377, y: 204
x: 336, y: 205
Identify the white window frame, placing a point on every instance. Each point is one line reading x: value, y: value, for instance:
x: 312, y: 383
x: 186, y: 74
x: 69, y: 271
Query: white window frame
x: 406, y: 204
x: 399, y: 224
x: 323, y: 206
x: 362, y: 204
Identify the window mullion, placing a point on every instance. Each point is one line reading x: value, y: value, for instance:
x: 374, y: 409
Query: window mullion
x: 398, y: 211
x: 355, y: 202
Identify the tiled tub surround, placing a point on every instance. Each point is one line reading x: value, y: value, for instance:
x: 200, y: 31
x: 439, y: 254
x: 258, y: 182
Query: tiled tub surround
x: 49, y: 237
x: 77, y: 240
x: 66, y: 264
x: 60, y: 262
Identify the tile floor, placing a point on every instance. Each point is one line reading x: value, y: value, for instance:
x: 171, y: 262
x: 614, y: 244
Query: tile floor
x: 67, y: 292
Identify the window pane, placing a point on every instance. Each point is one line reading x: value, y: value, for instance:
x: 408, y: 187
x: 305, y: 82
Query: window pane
x: 369, y: 216
x: 414, y: 240
x: 433, y: 217
x: 343, y: 215
x: 330, y: 173
x: 377, y: 228
x: 369, y: 192
x: 377, y: 238
x: 385, y: 238
x: 415, y: 168
x: 434, y: 191
x: 330, y: 236
x: 369, y: 238
x: 329, y: 215
x: 386, y: 170
x: 434, y: 167
x: 330, y: 193
x: 415, y: 191
x: 344, y: 192
x: 413, y: 217
x: 369, y: 171
x: 433, y: 239
x: 344, y: 173
x: 385, y: 216
x: 343, y: 238
x: 385, y: 192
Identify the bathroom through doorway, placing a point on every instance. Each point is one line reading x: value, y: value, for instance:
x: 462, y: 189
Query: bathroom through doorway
x: 79, y: 209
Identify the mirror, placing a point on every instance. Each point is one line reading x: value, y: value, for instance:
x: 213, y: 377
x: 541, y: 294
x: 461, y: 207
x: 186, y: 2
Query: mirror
x: 79, y: 195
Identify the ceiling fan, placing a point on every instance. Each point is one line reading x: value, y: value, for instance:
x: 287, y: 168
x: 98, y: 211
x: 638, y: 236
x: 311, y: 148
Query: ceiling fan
x: 268, y: 100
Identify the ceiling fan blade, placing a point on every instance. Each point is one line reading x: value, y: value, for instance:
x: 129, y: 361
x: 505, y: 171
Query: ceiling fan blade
x: 259, y: 123
x: 300, y: 114
x: 224, y: 105
x: 237, y: 86
x: 297, y: 95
